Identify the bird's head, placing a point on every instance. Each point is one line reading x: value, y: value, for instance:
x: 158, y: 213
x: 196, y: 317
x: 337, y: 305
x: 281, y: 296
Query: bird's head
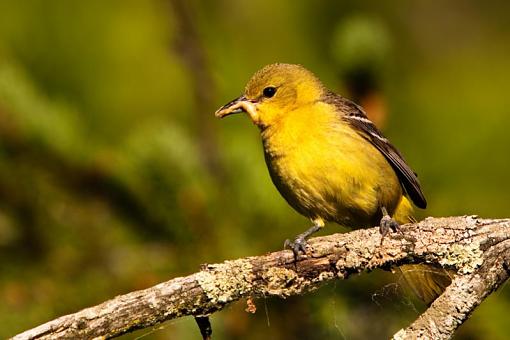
x: 273, y: 92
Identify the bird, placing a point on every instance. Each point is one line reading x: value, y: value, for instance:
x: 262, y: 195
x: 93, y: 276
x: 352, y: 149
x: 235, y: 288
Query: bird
x: 330, y: 162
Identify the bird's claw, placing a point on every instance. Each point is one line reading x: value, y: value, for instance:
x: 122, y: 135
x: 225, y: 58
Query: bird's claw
x: 297, y: 246
x: 388, y: 224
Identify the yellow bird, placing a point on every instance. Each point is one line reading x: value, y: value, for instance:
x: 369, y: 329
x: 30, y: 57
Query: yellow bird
x: 330, y: 162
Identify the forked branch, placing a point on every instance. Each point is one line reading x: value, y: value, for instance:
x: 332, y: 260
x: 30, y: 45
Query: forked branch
x: 477, y: 249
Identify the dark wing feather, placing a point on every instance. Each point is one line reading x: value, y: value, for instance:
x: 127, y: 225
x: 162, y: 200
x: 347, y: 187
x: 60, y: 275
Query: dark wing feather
x: 356, y: 117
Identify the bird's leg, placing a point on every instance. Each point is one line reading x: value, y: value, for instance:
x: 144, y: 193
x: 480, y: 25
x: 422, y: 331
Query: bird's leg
x: 387, y: 223
x: 299, y: 243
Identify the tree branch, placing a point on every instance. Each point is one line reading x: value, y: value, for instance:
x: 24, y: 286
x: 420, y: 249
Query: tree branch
x: 478, y: 249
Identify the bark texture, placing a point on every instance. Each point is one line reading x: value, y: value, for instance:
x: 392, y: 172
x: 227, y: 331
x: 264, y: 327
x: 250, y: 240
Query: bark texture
x: 477, y: 249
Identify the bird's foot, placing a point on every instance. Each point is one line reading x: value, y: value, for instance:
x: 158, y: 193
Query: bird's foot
x: 388, y: 224
x: 297, y: 246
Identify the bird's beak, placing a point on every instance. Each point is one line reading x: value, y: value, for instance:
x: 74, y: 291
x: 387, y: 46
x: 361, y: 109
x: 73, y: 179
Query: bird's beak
x: 238, y: 105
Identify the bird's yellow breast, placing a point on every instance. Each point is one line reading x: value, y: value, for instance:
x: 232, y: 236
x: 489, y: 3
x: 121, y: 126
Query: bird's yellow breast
x: 325, y: 169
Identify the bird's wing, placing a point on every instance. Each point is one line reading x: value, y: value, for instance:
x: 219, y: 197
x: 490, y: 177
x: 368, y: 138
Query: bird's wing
x: 356, y: 117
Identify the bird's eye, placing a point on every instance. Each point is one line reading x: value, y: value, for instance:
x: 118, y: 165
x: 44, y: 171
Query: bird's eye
x: 269, y: 91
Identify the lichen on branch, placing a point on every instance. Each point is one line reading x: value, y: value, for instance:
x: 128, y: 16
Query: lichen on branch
x: 478, y: 250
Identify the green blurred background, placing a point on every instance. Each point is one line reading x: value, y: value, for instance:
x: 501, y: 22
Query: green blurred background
x: 115, y: 175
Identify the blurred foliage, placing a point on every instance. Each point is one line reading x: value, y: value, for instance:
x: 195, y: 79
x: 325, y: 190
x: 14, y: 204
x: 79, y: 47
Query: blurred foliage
x: 115, y: 175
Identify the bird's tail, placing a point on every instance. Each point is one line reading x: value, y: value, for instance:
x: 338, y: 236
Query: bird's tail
x: 426, y: 281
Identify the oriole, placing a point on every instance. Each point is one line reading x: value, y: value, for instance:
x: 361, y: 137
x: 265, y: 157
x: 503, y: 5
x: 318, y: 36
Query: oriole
x: 330, y: 162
